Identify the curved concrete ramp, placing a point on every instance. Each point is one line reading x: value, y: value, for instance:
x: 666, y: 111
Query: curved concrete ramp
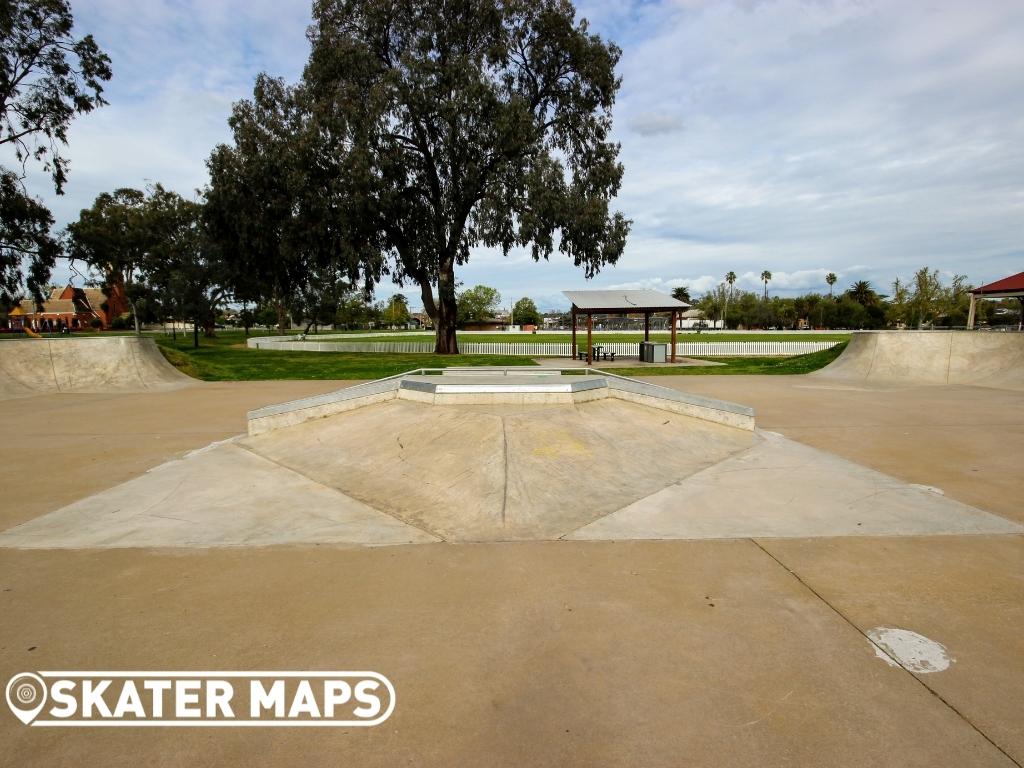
x: 104, y: 364
x: 978, y: 358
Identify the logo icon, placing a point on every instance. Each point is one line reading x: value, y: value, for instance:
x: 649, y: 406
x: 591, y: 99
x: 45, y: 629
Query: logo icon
x: 26, y: 696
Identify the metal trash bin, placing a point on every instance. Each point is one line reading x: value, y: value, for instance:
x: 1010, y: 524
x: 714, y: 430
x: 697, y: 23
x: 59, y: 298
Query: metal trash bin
x: 659, y: 353
x: 646, y: 352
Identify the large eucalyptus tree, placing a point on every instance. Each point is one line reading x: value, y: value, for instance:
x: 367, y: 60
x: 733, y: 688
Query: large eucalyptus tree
x: 462, y: 123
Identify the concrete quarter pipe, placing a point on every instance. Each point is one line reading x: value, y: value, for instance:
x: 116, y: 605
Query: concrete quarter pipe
x: 112, y: 363
x: 984, y: 359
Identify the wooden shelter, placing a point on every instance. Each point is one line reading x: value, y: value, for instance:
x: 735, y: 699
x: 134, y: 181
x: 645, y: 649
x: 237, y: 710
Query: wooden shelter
x: 647, y: 303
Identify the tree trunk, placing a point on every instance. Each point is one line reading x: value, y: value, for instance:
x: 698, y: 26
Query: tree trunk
x: 427, y: 294
x: 135, y: 317
x: 195, y: 334
x: 280, y: 318
x: 447, y: 311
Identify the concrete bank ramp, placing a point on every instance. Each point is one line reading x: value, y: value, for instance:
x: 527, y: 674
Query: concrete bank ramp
x: 978, y: 358
x: 104, y: 364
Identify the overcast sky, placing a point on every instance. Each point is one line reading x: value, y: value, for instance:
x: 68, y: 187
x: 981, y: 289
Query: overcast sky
x: 867, y: 138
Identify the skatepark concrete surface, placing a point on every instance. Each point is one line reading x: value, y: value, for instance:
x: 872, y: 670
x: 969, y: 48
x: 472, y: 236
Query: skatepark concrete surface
x: 99, y: 364
x: 740, y: 638
x: 405, y: 472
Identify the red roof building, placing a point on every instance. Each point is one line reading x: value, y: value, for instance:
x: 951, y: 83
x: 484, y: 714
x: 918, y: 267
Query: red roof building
x: 1007, y: 288
x: 1011, y: 286
x: 69, y: 307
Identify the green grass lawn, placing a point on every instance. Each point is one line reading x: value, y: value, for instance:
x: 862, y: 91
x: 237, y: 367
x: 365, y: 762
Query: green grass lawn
x: 625, y: 336
x: 755, y: 366
x: 226, y: 358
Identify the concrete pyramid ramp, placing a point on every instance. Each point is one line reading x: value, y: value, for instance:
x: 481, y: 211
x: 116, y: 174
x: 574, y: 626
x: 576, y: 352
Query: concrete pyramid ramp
x: 408, y: 473
x: 782, y: 488
x: 499, y: 472
x: 220, y: 496
x: 101, y: 364
x: 978, y: 358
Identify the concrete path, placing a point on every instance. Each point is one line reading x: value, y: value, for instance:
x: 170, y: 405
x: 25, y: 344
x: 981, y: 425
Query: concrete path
x: 704, y: 653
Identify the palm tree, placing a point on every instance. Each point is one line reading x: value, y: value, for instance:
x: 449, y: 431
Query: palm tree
x: 730, y: 278
x: 682, y: 293
x: 830, y: 278
x: 765, y: 277
x: 863, y: 293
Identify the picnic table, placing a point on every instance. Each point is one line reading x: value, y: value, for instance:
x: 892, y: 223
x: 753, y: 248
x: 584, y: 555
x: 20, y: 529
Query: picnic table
x: 596, y: 353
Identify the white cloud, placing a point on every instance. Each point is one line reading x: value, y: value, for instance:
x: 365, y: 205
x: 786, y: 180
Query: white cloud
x: 791, y: 135
x: 655, y: 123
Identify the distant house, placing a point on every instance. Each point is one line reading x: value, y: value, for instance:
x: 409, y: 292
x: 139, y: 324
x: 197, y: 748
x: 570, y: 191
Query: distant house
x: 68, y: 307
x: 554, y: 321
x: 693, y: 319
x: 422, y: 319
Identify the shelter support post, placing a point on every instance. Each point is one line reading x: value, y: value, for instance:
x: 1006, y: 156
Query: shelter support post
x: 647, y: 326
x: 672, y: 356
x: 970, y: 313
x: 574, y: 348
x: 590, y: 339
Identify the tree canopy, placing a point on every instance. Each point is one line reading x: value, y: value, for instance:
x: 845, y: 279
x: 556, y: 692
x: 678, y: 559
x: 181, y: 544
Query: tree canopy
x: 525, y: 312
x: 152, y: 245
x: 111, y: 238
x: 464, y: 124
x: 47, y: 77
x: 396, y: 311
x: 682, y: 293
x: 25, y: 225
x: 478, y: 303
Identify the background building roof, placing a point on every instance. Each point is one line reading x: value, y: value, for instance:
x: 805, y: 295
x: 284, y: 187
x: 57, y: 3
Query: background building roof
x: 1011, y: 283
x: 624, y: 301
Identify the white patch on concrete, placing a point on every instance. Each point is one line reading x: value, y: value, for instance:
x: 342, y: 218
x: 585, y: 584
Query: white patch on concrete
x: 212, y: 446
x: 929, y: 488
x: 913, y: 652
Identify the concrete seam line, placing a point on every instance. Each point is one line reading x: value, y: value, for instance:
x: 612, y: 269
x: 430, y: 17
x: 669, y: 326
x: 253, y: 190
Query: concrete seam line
x: 949, y: 357
x: 504, y: 498
x: 53, y: 368
x: 135, y: 346
x: 874, y: 352
x: 863, y: 634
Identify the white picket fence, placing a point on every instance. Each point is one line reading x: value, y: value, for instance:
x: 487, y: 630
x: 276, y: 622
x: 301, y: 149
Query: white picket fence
x: 547, y: 349
x: 751, y: 348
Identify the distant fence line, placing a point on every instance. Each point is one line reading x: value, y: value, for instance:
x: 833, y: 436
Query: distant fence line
x: 547, y: 349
